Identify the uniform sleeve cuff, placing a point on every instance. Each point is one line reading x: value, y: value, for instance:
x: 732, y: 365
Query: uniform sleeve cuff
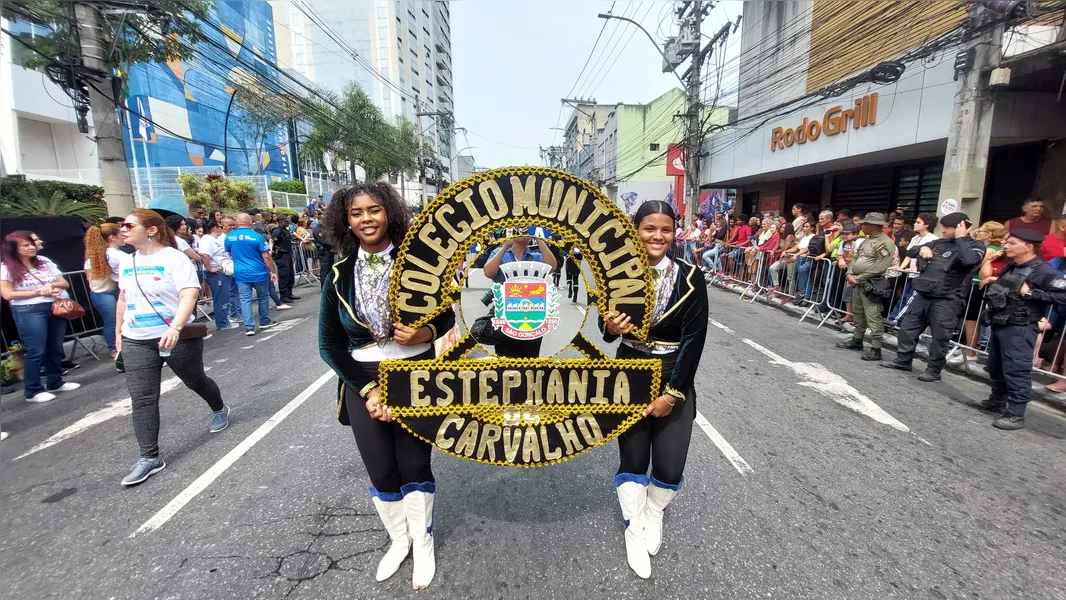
x: 366, y: 388
x: 432, y: 331
x: 673, y: 392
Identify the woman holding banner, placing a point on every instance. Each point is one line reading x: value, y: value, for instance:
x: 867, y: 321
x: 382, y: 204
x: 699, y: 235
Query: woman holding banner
x: 661, y: 439
x: 367, y: 223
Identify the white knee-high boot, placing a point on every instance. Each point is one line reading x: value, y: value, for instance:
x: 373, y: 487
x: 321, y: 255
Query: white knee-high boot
x: 632, y: 497
x: 418, y: 502
x: 659, y: 496
x: 390, y: 508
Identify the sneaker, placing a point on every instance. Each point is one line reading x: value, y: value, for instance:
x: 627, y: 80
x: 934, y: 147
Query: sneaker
x: 145, y: 468
x: 291, y: 297
x: 220, y: 420
x: 249, y: 332
x: 269, y: 325
x: 42, y: 397
x: 284, y: 307
x: 1009, y: 423
x: 230, y: 326
x: 69, y: 364
x: 3, y: 435
x: 237, y: 320
x: 928, y: 377
x: 69, y: 386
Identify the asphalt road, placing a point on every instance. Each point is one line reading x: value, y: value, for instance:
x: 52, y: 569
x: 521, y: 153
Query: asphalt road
x: 810, y: 475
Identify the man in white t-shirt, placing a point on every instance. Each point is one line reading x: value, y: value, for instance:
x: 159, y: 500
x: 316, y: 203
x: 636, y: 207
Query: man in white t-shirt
x: 212, y: 254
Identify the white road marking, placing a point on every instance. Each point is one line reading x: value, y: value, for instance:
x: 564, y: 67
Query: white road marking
x: 118, y: 408
x: 724, y: 447
x: 221, y: 360
x: 834, y: 386
x: 227, y: 461
x: 721, y: 326
x: 247, y: 347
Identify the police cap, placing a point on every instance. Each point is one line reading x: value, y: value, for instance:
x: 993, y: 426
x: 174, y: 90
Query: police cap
x: 953, y: 219
x: 1027, y: 235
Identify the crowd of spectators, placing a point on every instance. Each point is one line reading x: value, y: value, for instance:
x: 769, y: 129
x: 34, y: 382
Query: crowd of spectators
x: 803, y: 261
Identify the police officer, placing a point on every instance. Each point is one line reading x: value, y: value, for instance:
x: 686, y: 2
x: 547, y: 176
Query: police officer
x: 866, y: 272
x: 944, y: 266
x: 1015, y: 302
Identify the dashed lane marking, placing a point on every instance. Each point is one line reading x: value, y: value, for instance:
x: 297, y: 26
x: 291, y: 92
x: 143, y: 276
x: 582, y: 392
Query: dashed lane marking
x: 828, y: 383
x: 118, y: 408
x: 721, y: 326
x: 724, y: 447
x: 227, y: 461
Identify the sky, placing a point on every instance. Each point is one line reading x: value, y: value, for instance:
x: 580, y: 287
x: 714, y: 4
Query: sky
x: 513, y: 60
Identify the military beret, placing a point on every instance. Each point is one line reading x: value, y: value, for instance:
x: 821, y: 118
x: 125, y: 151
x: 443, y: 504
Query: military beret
x: 953, y: 219
x: 1028, y: 235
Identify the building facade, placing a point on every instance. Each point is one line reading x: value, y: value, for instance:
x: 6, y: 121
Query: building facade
x: 851, y: 108
x: 397, y: 51
x: 181, y: 114
x: 631, y: 149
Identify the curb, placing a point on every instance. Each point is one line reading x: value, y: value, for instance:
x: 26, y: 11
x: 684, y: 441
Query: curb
x: 972, y: 369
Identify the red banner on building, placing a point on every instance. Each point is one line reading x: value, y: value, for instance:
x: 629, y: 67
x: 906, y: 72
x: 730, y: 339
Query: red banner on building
x: 675, y: 159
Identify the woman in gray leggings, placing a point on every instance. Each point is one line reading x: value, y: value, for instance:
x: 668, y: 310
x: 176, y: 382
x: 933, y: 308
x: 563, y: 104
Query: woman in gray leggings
x: 158, y: 289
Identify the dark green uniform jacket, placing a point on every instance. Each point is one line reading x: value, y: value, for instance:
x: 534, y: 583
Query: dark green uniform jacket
x: 340, y: 331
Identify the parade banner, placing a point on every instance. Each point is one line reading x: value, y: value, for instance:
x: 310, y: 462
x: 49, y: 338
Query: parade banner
x: 530, y: 411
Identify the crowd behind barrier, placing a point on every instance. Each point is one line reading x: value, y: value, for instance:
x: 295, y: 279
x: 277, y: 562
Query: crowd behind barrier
x: 817, y: 287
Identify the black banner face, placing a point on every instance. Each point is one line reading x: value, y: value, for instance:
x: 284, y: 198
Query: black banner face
x: 519, y: 412
x: 467, y: 212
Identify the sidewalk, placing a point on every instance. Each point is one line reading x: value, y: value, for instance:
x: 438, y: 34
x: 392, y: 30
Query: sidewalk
x: 971, y: 368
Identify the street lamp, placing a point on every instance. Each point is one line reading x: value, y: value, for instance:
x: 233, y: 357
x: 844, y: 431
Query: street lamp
x: 652, y: 39
x: 452, y: 161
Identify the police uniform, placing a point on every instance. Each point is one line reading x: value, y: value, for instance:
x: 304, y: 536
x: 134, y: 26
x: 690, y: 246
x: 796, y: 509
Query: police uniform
x: 938, y: 298
x: 872, y: 258
x: 1013, y: 319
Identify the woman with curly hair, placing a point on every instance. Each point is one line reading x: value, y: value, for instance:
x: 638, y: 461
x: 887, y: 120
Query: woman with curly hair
x: 102, y: 258
x: 366, y: 223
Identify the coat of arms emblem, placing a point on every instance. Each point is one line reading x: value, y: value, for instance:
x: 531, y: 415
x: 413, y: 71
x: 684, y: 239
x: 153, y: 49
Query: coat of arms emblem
x: 526, y: 305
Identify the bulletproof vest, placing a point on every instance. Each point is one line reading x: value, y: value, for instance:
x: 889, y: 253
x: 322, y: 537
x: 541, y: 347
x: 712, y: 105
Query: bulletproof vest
x: 1004, y: 304
x: 936, y: 279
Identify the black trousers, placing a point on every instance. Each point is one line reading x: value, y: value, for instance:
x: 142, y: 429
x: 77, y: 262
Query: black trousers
x: 573, y: 279
x: 391, y: 455
x: 325, y: 261
x: 661, y: 442
x: 1010, y: 365
x: 941, y: 315
x: 511, y: 348
x: 286, y: 278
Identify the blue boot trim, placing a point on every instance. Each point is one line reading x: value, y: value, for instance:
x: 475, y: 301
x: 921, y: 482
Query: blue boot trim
x: 385, y: 496
x: 621, y: 478
x: 428, y: 487
x: 667, y: 486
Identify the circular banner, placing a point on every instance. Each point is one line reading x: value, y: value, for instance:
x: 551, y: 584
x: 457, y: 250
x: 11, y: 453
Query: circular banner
x: 531, y: 411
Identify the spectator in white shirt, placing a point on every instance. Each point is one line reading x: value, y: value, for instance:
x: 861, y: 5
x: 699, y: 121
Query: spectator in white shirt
x: 213, y: 255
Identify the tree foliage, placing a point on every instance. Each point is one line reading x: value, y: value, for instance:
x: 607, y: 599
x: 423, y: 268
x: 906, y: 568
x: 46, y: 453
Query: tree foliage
x: 216, y: 192
x: 28, y: 201
x: 261, y: 113
x: 289, y: 186
x: 150, y: 31
x: 350, y: 130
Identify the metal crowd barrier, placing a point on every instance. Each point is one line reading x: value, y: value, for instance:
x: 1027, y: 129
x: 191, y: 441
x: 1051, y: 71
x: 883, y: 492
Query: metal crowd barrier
x: 822, y: 291
x: 305, y: 263
x: 77, y: 329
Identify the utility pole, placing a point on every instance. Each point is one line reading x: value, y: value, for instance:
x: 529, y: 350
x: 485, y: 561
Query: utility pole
x: 110, y: 147
x: 692, y: 133
x: 966, y: 158
x: 421, y: 154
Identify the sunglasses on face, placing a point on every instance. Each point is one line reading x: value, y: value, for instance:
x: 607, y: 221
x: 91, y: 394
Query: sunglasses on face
x: 127, y: 226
